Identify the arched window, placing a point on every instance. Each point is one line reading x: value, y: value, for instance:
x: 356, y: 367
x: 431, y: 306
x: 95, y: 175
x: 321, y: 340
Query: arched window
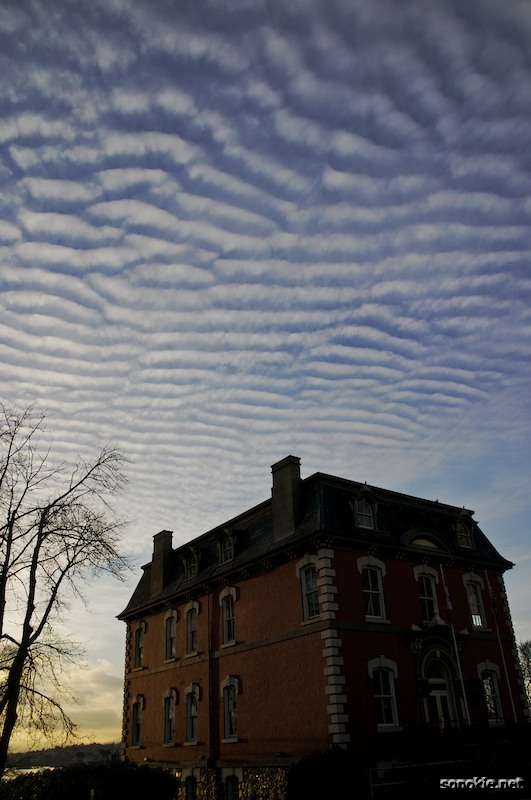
x: 192, y: 699
x: 191, y: 562
x: 227, y: 600
x: 474, y: 592
x: 229, y: 690
x: 170, y: 626
x: 138, y: 655
x: 226, y: 548
x: 464, y: 534
x: 489, y: 675
x: 427, y: 579
x: 372, y: 571
x: 136, y: 719
x: 364, y: 514
x: 170, y: 700
x: 384, y: 672
x: 191, y: 612
x: 306, y: 570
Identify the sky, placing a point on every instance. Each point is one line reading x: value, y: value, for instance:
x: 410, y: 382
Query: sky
x: 233, y: 230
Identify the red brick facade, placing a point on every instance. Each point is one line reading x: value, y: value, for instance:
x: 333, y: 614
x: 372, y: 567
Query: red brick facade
x: 331, y: 614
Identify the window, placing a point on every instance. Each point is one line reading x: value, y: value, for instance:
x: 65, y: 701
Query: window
x: 364, y: 514
x: 136, y: 713
x: 170, y: 700
x: 474, y: 586
x: 192, y: 697
x: 371, y: 581
x: 372, y: 571
x: 489, y: 675
x: 190, y: 788
x: 227, y: 601
x: 384, y: 697
x: 231, y: 788
x: 307, y: 571
x: 191, y: 612
x: 228, y: 619
x: 139, y: 645
x: 464, y: 534
x: 229, y: 712
x: 384, y: 672
x: 190, y: 565
x: 170, y: 635
x: 491, y: 695
x: 310, y: 597
x: 428, y: 599
x: 226, y: 549
x: 427, y: 579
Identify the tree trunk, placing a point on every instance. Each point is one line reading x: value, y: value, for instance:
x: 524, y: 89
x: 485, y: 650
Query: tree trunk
x: 11, y: 696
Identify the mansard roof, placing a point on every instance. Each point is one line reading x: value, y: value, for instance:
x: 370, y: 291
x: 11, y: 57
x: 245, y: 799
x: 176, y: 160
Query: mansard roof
x: 326, y: 515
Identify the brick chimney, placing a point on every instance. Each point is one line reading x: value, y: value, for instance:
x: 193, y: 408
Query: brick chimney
x: 286, y: 496
x: 161, y: 562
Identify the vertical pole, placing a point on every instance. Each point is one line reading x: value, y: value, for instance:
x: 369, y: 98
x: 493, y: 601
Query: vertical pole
x: 498, y: 636
x: 449, y: 609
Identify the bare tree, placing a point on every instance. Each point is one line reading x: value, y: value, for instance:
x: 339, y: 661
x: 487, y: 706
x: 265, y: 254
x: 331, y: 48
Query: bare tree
x: 524, y: 654
x: 57, y: 530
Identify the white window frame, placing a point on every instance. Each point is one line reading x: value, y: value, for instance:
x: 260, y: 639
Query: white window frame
x: 169, y: 703
x: 378, y: 666
x: 227, y: 602
x: 229, y: 690
x: 192, y: 713
x: 423, y: 573
x: 487, y: 670
x: 474, y: 587
x: 377, y: 568
x: 365, y: 514
x: 138, y: 645
x: 191, y: 611
x: 170, y: 634
x: 309, y: 564
x: 137, y: 708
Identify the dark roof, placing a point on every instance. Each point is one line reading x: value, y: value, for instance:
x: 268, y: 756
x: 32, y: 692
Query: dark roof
x: 326, y: 512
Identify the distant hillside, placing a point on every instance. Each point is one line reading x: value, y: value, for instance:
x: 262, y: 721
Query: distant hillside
x: 65, y: 756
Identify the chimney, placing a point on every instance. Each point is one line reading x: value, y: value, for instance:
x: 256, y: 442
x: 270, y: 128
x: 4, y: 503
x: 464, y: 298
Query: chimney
x: 286, y: 496
x: 161, y: 563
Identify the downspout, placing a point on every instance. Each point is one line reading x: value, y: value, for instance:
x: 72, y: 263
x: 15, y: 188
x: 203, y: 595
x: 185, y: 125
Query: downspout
x: 498, y: 636
x: 458, y: 661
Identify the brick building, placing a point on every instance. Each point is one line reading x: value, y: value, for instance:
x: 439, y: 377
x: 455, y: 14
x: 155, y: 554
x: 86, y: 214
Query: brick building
x: 333, y: 613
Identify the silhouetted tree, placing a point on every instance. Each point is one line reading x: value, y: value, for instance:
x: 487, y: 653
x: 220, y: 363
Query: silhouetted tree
x: 524, y: 653
x: 56, y: 530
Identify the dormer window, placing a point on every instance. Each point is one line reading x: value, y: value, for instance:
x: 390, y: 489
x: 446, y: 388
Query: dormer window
x: 190, y: 565
x: 364, y: 514
x: 421, y: 541
x: 226, y: 548
x: 464, y: 535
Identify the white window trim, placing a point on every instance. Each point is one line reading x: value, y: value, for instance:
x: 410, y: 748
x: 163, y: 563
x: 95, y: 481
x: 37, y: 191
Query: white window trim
x: 191, y: 689
x: 370, y: 562
x: 308, y: 560
x: 387, y: 664
x: 229, y: 591
x: 230, y: 680
x: 360, y: 514
x: 170, y: 615
x: 193, y: 605
x: 471, y: 578
x: 428, y: 572
x: 170, y: 694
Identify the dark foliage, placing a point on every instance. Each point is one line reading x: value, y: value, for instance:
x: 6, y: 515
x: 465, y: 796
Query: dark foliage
x: 113, y: 781
x: 333, y: 774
